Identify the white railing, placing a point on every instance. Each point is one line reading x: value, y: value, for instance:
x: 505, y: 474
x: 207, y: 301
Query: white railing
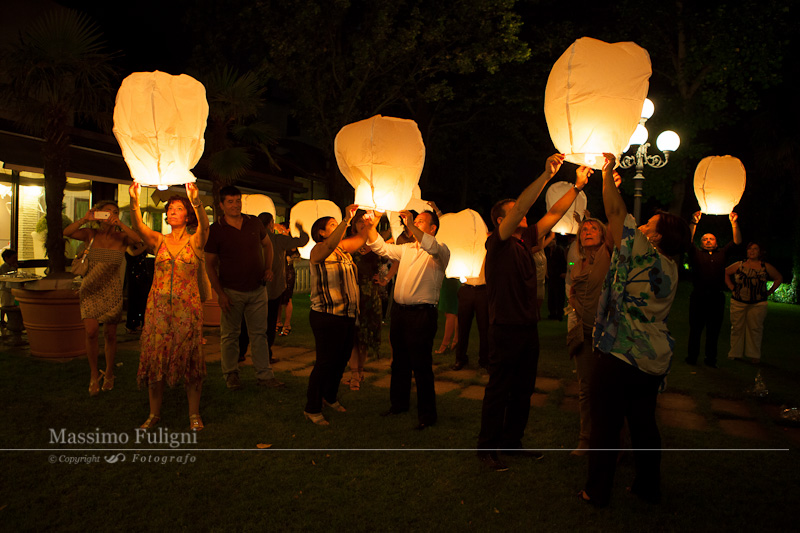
x: 302, y: 282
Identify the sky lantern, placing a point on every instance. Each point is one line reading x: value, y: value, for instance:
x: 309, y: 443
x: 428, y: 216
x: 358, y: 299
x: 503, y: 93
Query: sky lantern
x: 594, y: 98
x: 719, y: 182
x: 382, y: 158
x: 464, y: 233
x: 255, y: 204
x: 159, y: 122
x: 567, y: 223
x: 306, y: 213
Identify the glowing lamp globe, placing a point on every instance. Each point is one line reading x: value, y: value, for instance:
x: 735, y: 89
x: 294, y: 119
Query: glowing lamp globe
x: 306, y: 213
x: 668, y: 141
x: 719, y: 182
x: 464, y: 233
x: 594, y: 98
x: 159, y: 122
x: 639, y: 136
x: 255, y: 204
x: 382, y: 158
x: 567, y: 223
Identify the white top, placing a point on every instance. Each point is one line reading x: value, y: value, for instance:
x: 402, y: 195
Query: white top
x: 421, y: 270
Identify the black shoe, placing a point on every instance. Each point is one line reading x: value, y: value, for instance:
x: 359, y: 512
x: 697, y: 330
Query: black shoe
x: 491, y: 460
x: 392, y: 412
x: 458, y: 365
x: 530, y: 454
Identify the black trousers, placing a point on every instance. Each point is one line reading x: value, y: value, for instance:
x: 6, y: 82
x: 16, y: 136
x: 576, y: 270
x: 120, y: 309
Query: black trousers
x: 513, y: 358
x: 473, y: 301
x: 411, y: 335
x: 556, y: 295
x: 272, y: 320
x: 333, y: 336
x: 706, y: 309
x: 619, y: 392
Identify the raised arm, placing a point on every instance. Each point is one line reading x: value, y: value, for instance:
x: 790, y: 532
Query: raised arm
x: 693, y: 225
x: 323, y: 249
x: 612, y: 201
x: 201, y: 235
x: 558, y: 209
x: 737, y: 234
x: 528, y: 196
x: 150, y: 237
x: 75, y: 231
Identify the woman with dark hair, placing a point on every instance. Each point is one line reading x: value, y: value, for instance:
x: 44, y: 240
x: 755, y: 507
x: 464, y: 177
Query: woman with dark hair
x: 633, y: 343
x: 587, y: 275
x: 171, y: 342
x: 334, y: 308
x: 101, y: 289
x: 747, y: 281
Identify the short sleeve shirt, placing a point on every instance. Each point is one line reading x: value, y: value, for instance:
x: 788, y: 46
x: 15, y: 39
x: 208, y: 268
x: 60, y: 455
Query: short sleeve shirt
x: 241, y: 257
x: 631, y: 321
x: 511, y: 278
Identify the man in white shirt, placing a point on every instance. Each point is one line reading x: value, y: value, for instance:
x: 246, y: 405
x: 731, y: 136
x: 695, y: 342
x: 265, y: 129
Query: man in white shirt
x: 414, y: 314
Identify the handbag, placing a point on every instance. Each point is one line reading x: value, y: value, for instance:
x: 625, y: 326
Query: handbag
x: 80, y: 265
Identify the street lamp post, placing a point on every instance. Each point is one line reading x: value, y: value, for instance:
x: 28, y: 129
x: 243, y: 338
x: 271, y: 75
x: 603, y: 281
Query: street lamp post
x: 668, y: 141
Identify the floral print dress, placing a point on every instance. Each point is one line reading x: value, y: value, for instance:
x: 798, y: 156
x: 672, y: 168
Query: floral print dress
x: 631, y: 321
x: 173, y: 322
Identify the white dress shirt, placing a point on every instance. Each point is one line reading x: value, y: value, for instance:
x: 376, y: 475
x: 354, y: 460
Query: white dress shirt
x: 421, y: 270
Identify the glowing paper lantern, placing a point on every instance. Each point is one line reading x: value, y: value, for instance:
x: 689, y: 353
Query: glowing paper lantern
x: 719, y: 183
x: 567, y: 223
x: 255, y: 204
x: 415, y: 204
x: 464, y: 233
x: 594, y: 98
x: 382, y: 158
x: 306, y: 213
x: 159, y: 121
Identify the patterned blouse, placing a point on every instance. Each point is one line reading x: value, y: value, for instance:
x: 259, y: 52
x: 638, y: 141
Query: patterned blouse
x: 631, y: 321
x: 749, y: 284
x: 334, y: 285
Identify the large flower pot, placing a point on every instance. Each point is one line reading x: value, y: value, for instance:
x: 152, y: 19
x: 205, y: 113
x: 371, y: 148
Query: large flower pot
x: 53, y: 321
x: 211, y: 310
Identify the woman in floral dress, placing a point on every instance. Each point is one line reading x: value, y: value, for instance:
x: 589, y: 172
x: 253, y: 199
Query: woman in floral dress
x: 173, y: 323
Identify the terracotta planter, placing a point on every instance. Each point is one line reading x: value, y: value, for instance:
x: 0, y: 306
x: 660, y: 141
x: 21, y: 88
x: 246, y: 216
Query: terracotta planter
x: 211, y: 310
x: 53, y: 321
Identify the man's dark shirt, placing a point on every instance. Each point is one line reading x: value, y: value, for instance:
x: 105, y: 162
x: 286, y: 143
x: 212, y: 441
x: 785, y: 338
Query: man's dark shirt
x: 239, y: 253
x: 708, y: 268
x: 511, y: 278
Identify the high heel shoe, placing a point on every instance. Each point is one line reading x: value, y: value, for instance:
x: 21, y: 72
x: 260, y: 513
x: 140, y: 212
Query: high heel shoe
x: 108, y: 382
x: 316, y: 418
x: 151, y: 421
x: 94, y: 386
x: 336, y: 406
x: 195, y: 423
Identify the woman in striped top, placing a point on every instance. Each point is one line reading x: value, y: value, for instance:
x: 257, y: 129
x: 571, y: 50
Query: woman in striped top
x: 334, y: 308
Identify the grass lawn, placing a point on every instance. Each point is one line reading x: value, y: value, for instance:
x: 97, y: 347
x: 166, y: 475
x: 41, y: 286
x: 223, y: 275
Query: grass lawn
x: 368, y: 473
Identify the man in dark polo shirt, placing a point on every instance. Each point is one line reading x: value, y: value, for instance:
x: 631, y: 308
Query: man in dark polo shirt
x: 237, y: 251
x: 707, y: 302
x: 513, y: 337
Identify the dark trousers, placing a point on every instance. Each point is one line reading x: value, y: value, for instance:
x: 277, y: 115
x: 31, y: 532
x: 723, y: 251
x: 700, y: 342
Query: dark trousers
x: 620, y: 391
x: 411, y: 335
x: 556, y: 295
x: 706, y: 309
x: 513, y: 358
x: 333, y: 336
x: 272, y: 320
x: 473, y: 301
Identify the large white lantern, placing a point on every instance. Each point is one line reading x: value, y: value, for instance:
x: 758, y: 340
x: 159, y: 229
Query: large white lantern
x: 159, y: 122
x: 255, y: 204
x: 719, y: 182
x: 382, y: 158
x: 464, y: 233
x: 594, y: 98
x: 567, y: 223
x: 306, y: 213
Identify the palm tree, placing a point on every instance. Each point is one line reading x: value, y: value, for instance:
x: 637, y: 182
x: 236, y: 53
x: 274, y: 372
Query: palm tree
x: 56, y: 72
x: 230, y: 137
